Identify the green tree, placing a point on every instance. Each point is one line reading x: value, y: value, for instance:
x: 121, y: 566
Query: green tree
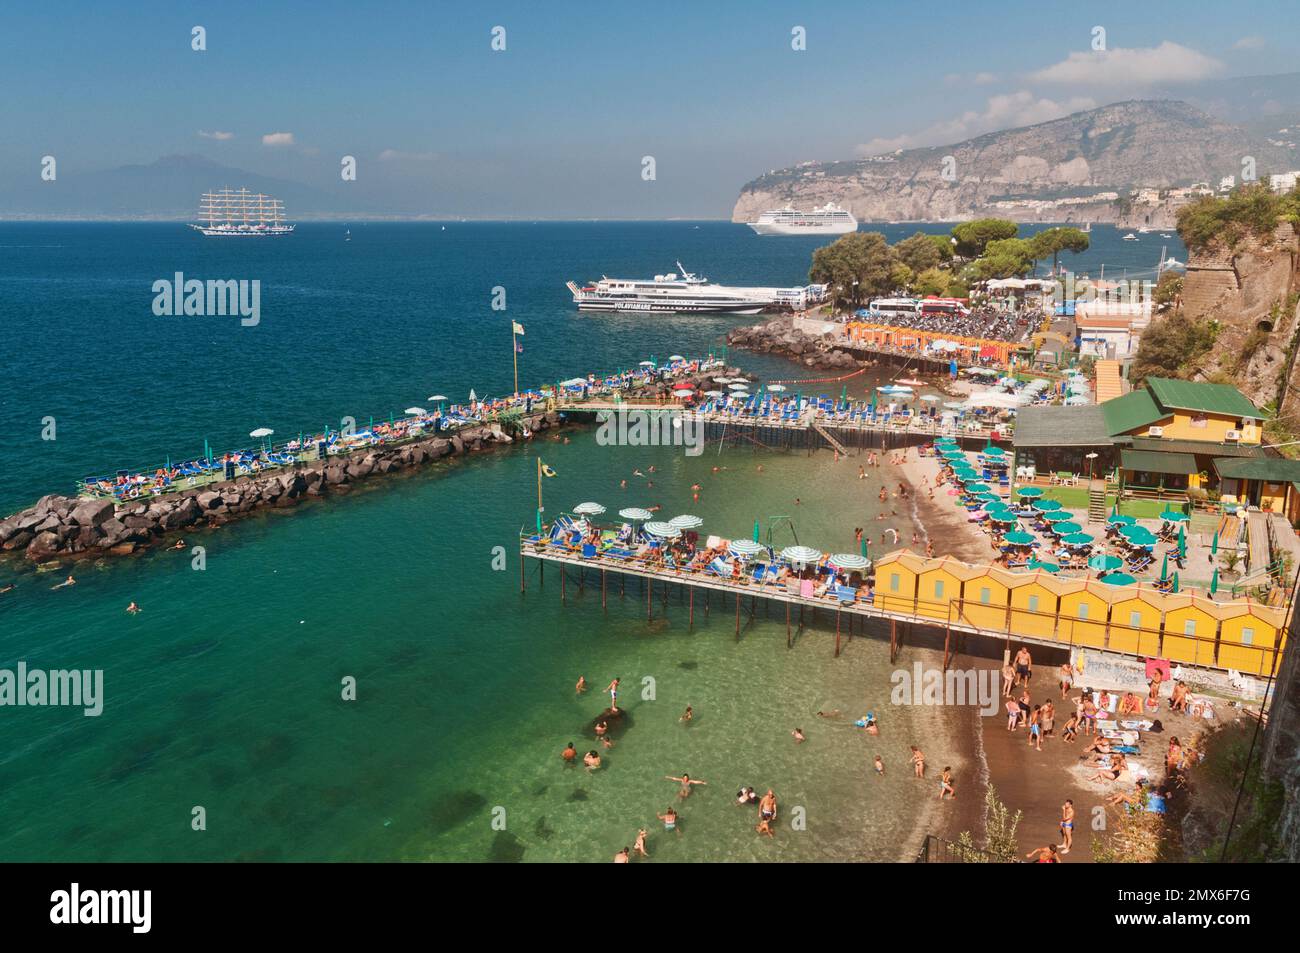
x: 1052, y: 241
x: 1004, y: 258
x: 1170, y: 346
x: 857, y: 266
x: 933, y: 281
x: 1000, y: 843
x: 974, y: 237
x: 919, y: 252
x: 1169, y: 287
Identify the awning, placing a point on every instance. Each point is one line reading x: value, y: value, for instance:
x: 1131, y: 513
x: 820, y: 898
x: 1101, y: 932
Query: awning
x: 1153, y: 461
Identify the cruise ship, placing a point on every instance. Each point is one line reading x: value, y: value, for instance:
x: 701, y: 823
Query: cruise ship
x: 241, y: 213
x: 687, y: 293
x: 827, y: 220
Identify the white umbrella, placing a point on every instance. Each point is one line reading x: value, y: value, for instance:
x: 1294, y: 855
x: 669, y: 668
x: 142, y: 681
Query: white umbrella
x: 647, y: 364
x: 683, y: 393
x: 418, y: 411
x: 801, y: 554
x: 715, y: 393
x: 930, y: 398
x: 262, y: 432
x: 676, y: 357
x: 592, y: 509
x: 849, y: 561
x: 636, y: 514
x: 663, y: 529
x: 439, y: 397
x: 738, y: 386
x: 686, y: 521
x: 745, y: 547
x: 776, y: 388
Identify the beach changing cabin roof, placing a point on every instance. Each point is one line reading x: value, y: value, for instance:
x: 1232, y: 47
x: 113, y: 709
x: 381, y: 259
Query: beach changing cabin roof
x: 1081, y: 426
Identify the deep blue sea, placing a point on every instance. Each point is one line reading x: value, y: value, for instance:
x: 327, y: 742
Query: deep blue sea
x: 224, y: 692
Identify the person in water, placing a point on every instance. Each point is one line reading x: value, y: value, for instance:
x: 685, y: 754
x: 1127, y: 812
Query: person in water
x: 133, y: 608
x: 686, y: 782
x: 798, y: 735
x: 639, y: 844
x: 569, y: 754
x: 67, y: 582
x: 582, y: 685
x: 613, y: 695
x: 669, y: 817
x: 592, y: 760
x: 687, y: 715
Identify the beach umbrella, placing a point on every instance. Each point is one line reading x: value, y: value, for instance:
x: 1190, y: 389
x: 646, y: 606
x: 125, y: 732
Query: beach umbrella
x: 589, y: 509
x: 1174, y: 516
x: 756, y: 531
x: 1214, y: 581
x: 646, y: 364
x: 686, y: 521
x: 663, y: 530
x: 977, y: 488
x: 1214, y: 544
x: 745, y: 547
x: 1057, y: 516
x: 1077, y: 539
x: 776, y: 388
x: 415, y: 411
x: 1067, y: 526
x: 1174, y: 588
x: 1164, y: 568
x: 737, y: 387
x: 1118, y: 579
x: 1045, y: 567
x: 1002, y: 517
x: 1019, y: 538
x: 1116, y: 520
x: 683, y: 392
x: 635, y: 514
x: 1138, y: 535
x: 1029, y: 492
x: 1182, y: 543
x: 862, y: 546
x: 261, y: 432
x: 1046, y: 506
x: 801, y: 555
x: 849, y: 561
x: 1103, y: 562
x: 987, y: 498
x: 676, y: 357
x: 994, y: 452
x: 953, y: 454
x: 930, y: 398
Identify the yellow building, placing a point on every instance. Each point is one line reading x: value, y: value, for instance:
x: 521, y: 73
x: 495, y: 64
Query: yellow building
x: 939, y: 587
x: 1034, y: 598
x: 1084, y: 611
x: 1191, y: 629
x: 1135, y: 616
x: 896, y: 575
x: 985, y: 599
x: 1249, y: 636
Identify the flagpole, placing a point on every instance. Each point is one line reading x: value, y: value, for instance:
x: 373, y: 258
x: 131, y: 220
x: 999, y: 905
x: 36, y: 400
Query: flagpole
x: 539, y: 494
x: 514, y: 353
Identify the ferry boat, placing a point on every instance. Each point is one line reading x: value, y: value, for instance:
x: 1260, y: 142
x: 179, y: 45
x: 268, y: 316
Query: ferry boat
x: 830, y: 219
x: 241, y: 213
x: 686, y: 293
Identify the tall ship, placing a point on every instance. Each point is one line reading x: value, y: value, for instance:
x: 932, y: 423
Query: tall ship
x: 239, y: 212
x: 830, y: 219
x: 687, y: 293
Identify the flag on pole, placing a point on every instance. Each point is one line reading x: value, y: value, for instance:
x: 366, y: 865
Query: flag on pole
x: 518, y: 328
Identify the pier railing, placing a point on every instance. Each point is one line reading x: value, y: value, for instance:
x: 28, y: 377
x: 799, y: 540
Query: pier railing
x: 936, y: 850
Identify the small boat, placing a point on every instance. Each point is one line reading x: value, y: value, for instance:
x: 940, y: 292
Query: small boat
x: 348, y: 236
x: 1130, y: 237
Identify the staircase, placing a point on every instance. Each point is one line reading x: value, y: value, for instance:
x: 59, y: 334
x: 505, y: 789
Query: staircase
x: 829, y: 439
x: 1097, y: 501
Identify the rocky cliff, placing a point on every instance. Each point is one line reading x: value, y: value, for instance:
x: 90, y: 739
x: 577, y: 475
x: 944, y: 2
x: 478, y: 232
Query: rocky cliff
x: 1069, y: 169
x: 1250, y: 290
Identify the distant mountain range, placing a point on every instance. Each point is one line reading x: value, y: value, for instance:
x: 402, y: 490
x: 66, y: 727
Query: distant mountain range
x: 1060, y: 170
x: 166, y: 189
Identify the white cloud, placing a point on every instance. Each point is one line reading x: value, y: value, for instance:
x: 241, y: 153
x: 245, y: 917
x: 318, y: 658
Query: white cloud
x: 398, y: 155
x: 1004, y: 111
x: 278, y: 139
x: 1167, y: 63
x: 223, y: 136
x: 1250, y: 43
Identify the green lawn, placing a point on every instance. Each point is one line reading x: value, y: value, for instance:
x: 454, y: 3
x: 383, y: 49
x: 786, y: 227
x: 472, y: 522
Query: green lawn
x: 1076, y: 498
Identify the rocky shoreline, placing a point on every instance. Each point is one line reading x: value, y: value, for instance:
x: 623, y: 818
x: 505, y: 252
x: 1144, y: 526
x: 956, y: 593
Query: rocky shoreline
x: 780, y: 336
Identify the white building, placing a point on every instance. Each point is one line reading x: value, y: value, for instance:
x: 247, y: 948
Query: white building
x: 1284, y: 182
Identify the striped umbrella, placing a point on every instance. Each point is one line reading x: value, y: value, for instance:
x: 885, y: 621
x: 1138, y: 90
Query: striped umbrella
x: 636, y: 514
x: 745, y: 547
x: 589, y: 509
x: 849, y: 561
x: 662, y: 529
x: 801, y: 555
x: 686, y: 521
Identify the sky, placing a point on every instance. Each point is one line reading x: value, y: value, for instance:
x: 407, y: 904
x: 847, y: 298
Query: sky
x: 557, y: 124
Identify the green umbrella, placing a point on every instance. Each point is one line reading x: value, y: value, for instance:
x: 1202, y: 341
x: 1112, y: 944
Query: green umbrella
x: 1019, y: 538
x: 1118, y: 579
x: 977, y: 488
x: 1175, y: 585
x: 1182, y: 543
x: 1067, y: 527
x: 1046, y: 567
x: 1138, y: 535
x: 756, y: 531
x: 1046, y: 506
x: 1214, y: 544
x: 1029, y: 492
x: 997, y: 506
x: 863, y: 547
x: 1116, y: 520
x: 1173, y: 516
x: 1164, y: 568
x: 1103, y: 562
x: 994, y: 452
x: 1002, y: 517
x: 1058, y: 517
x: 953, y: 454
x: 989, y: 498
x: 1077, y: 539
x: 1214, y: 581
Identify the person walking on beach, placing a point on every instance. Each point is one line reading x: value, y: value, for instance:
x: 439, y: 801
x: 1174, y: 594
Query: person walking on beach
x: 686, y: 781
x: 1036, y: 728
x: 1067, y: 826
x: 946, y: 790
x: 1067, y: 678
x: 918, y: 761
x: 1008, y: 679
x: 1045, y: 855
x: 1024, y: 666
x: 613, y: 695
x: 879, y: 766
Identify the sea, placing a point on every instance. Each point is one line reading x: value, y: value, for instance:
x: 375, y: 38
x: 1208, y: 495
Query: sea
x: 363, y: 679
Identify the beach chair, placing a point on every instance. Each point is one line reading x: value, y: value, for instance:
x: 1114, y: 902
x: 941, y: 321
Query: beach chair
x: 719, y: 568
x: 588, y: 551
x: 846, y: 595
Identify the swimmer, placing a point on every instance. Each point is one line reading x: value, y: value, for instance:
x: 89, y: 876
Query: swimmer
x: 669, y: 817
x: 639, y: 844
x: 798, y: 735
x: 879, y: 766
x: 180, y: 544
x: 8, y: 588
x: 765, y: 827
x: 592, y: 760
x: 569, y: 754
x: 767, y: 806
x: 746, y: 796
x: 686, y: 781
x: 833, y: 713
x: 623, y: 857
x: 601, y: 728
x: 613, y: 695
x: 688, y: 714
x: 67, y: 582
x: 1067, y: 825
x: 581, y: 686
x: 133, y: 608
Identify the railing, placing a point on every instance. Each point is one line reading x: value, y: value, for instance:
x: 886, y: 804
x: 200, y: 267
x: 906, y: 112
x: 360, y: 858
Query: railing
x: 936, y: 850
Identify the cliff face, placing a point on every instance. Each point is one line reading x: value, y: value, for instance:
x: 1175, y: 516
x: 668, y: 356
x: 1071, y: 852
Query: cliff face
x: 1070, y: 169
x: 1249, y: 290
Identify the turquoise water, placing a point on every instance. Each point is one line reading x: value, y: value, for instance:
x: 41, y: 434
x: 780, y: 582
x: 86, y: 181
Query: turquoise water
x: 224, y: 692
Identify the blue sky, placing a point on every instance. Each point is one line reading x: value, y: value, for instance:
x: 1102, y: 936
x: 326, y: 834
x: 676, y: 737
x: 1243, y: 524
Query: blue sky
x: 557, y: 124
